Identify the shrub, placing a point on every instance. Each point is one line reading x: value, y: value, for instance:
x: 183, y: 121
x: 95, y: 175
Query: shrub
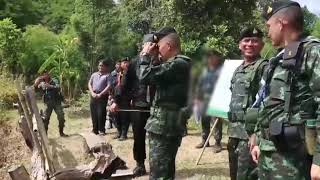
x: 8, y: 93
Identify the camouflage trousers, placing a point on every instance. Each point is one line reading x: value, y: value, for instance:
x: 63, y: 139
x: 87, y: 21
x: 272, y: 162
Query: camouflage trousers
x: 57, y: 107
x: 162, y: 156
x: 284, y: 165
x: 205, y: 124
x: 241, y: 164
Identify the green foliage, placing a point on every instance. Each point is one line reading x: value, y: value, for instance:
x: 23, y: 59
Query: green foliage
x: 66, y: 63
x: 8, y: 93
x: 96, y: 24
x: 10, y: 45
x: 22, y: 12
x: 70, y: 36
x: 309, y: 20
x: 199, y: 22
x: 221, y: 42
x: 39, y: 45
x: 268, y: 51
x: 316, y: 29
x: 58, y: 14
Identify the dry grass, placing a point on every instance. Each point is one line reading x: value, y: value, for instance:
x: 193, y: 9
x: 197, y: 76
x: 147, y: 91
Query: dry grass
x: 212, y: 166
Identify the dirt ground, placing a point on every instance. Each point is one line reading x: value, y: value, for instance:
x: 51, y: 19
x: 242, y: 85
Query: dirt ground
x: 212, y: 166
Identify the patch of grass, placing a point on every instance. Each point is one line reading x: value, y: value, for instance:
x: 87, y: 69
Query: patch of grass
x: 8, y: 92
x: 80, y: 108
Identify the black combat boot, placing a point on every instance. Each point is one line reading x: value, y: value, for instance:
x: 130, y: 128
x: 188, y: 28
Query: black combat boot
x: 139, y: 170
x: 217, y: 147
x: 62, y: 134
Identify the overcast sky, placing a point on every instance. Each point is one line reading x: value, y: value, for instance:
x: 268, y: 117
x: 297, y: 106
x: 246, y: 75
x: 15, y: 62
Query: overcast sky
x: 312, y: 5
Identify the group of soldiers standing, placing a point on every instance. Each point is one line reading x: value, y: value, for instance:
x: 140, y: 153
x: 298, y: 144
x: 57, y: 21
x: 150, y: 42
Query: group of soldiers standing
x: 273, y: 119
x: 274, y: 128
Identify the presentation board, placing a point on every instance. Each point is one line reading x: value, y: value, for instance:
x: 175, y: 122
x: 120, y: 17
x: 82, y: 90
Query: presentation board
x: 221, y: 96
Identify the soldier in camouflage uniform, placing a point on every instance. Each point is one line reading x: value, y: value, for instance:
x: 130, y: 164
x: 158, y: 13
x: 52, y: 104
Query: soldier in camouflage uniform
x: 289, y: 100
x: 52, y: 98
x: 204, y: 90
x: 171, y: 78
x: 244, y: 86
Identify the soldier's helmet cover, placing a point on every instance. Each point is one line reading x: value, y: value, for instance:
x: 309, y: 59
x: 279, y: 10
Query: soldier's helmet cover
x: 251, y: 32
x: 269, y: 11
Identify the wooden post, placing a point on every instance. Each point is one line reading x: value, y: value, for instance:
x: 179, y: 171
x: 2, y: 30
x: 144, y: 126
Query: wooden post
x: 28, y: 118
x: 19, y: 173
x: 30, y: 95
x: 37, y: 159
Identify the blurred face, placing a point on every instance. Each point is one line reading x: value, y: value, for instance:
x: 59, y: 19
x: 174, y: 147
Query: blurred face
x: 250, y: 47
x: 102, y: 68
x: 124, y: 65
x: 46, y: 76
x: 164, y: 49
x: 213, y: 61
x: 275, y: 26
x: 117, y: 66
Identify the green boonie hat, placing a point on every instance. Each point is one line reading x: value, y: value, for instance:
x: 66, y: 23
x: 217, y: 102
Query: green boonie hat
x: 163, y: 32
x: 251, y: 32
x: 276, y: 6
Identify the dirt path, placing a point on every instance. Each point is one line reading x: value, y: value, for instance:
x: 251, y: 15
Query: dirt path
x: 212, y: 166
x: 13, y: 150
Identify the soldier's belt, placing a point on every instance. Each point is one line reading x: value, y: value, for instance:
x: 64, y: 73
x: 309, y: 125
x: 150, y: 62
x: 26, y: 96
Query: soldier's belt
x: 133, y: 110
x: 236, y: 116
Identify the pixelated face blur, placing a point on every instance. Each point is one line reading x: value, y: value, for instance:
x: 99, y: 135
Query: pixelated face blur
x: 213, y: 60
x: 251, y: 46
x: 275, y: 26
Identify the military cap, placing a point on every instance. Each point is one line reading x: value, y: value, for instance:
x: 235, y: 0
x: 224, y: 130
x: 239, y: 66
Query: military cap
x: 276, y: 6
x: 163, y: 32
x: 251, y: 32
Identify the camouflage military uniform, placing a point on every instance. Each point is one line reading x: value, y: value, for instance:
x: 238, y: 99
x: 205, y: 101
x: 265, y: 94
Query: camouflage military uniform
x: 52, y: 99
x: 244, y: 86
x: 291, y: 98
x: 165, y: 127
